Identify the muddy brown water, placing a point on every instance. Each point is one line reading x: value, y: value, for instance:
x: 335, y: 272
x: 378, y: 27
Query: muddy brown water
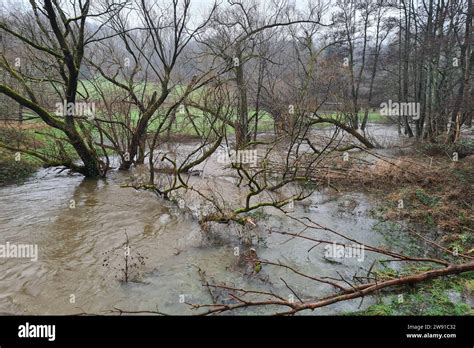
x: 70, y: 277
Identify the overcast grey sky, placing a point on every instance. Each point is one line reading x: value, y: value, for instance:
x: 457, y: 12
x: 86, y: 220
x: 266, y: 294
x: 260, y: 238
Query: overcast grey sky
x: 198, y: 5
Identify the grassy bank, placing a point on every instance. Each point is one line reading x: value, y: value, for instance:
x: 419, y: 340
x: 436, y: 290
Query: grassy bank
x: 424, y: 194
x: 14, y: 169
x: 442, y: 296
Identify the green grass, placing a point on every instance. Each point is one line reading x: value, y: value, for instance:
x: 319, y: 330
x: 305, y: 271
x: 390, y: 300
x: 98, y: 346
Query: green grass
x: 182, y: 126
x: 94, y: 87
x: 429, y: 298
x: 373, y: 117
x: 426, y: 199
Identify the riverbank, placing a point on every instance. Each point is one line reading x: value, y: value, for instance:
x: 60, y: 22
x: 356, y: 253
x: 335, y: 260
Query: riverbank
x: 13, y: 170
x: 428, y: 192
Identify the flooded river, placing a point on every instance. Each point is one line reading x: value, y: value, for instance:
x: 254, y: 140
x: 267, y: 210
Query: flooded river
x: 80, y: 227
x: 74, y: 240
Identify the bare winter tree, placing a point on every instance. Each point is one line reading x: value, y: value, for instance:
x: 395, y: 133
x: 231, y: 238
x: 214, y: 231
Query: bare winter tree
x: 55, y: 38
x: 145, y: 67
x: 239, y: 35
